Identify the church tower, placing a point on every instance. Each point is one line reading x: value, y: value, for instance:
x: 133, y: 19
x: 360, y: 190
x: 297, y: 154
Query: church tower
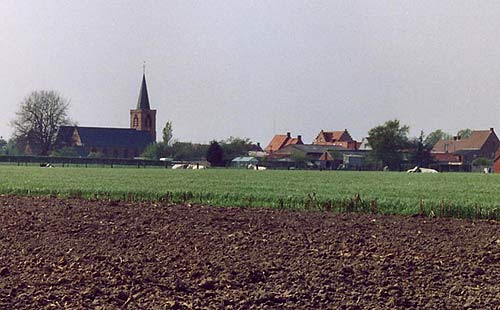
x: 143, y: 118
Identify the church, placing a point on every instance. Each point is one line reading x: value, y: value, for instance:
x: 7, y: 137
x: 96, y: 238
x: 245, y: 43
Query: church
x: 114, y: 142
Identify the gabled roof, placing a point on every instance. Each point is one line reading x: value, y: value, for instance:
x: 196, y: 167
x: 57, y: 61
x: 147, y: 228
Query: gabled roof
x: 276, y: 143
x: 255, y: 148
x: 109, y: 137
x: 64, y: 135
x: 329, y: 137
x: 280, y: 141
x: 143, y: 101
x: 475, y: 142
x: 326, y: 156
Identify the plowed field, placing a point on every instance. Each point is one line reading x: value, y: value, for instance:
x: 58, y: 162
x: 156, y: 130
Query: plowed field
x: 82, y: 254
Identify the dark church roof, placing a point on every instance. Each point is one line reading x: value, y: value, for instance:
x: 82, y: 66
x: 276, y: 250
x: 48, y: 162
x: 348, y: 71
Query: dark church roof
x: 64, y: 135
x: 143, y: 101
x: 107, y: 137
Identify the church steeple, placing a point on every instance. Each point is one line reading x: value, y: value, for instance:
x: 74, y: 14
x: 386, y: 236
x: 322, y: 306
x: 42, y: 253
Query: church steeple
x: 143, y: 101
x: 143, y: 118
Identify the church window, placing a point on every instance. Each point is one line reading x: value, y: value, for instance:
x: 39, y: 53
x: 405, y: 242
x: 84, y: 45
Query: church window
x: 148, y: 121
x: 135, y: 122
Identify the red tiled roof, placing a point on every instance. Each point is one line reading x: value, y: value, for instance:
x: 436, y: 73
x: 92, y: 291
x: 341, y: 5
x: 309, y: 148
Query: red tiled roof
x: 326, y: 156
x: 330, y: 137
x: 474, y: 142
x: 333, y: 135
x: 280, y: 141
x: 339, y: 138
x: 276, y: 143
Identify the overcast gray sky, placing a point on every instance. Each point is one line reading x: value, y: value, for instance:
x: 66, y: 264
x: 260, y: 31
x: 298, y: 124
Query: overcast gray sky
x: 243, y: 68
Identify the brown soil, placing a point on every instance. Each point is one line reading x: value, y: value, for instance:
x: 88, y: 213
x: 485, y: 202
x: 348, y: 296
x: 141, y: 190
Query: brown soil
x: 115, y: 255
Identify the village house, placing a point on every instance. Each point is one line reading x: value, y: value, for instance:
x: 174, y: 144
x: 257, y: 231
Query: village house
x: 496, y: 162
x: 328, y: 157
x: 337, y: 138
x: 280, y: 141
x: 256, y: 151
x: 457, y: 154
x: 114, y: 142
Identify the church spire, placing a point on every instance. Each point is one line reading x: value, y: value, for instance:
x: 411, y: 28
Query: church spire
x: 143, y: 101
x: 143, y: 118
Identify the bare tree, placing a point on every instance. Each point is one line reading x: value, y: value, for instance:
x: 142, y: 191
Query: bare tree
x: 38, y: 119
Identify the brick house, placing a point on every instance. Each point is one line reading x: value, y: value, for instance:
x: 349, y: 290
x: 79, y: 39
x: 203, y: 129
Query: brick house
x: 496, y: 162
x: 337, y: 138
x: 458, y: 153
x: 280, y: 141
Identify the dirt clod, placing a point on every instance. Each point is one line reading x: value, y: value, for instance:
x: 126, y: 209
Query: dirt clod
x: 80, y: 254
x: 4, y: 272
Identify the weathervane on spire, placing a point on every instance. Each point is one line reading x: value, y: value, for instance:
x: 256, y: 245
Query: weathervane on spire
x: 144, y: 67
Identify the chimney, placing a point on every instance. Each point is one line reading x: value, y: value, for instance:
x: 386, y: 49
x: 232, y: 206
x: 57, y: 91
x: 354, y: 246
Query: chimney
x: 491, y: 129
x: 258, y: 144
x: 299, y: 138
x: 288, y: 135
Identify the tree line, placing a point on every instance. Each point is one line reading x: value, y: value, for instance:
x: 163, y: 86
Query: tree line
x: 390, y: 144
x: 41, y: 113
x: 218, y: 153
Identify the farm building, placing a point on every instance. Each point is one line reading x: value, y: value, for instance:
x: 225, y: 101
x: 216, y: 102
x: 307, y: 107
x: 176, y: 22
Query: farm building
x: 496, y: 162
x: 457, y: 154
x: 337, y: 138
x: 243, y: 162
x: 115, y: 142
x: 280, y: 141
x: 318, y: 156
x: 256, y: 151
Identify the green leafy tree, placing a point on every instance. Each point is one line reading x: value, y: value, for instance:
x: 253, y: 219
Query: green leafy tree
x: 168, y: 133
x: 235, y: 147
x: 464, y: 133
x: 154, y: 151
x: 420, y: 151
x: 187, y: 151
x: 161, y: 149
x: 215, y: 154
x: 387, y: 141
x: 38, y: 119
x: 11, y: 148
x: 435, y: 136
x: 3, y: 146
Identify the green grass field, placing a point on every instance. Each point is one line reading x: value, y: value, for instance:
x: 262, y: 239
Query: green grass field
x: 451, y: 194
